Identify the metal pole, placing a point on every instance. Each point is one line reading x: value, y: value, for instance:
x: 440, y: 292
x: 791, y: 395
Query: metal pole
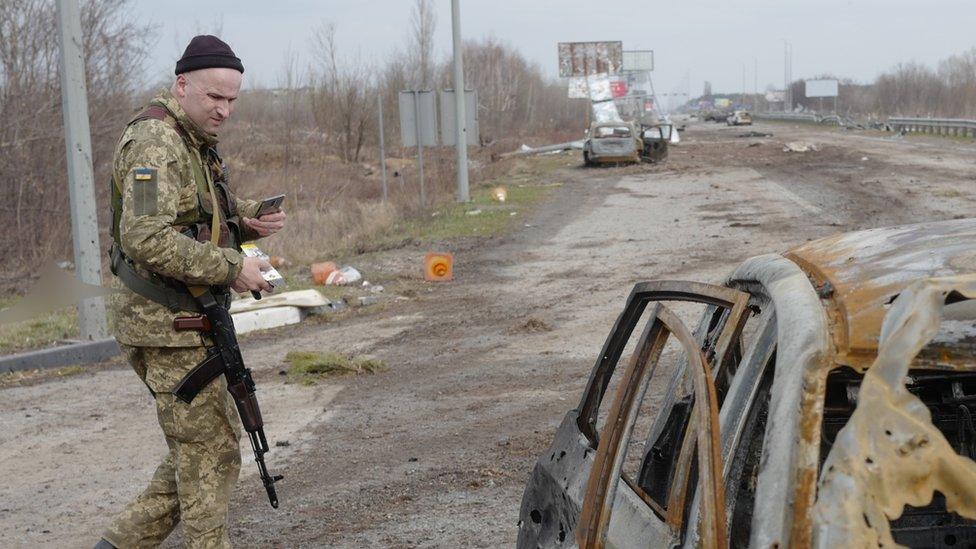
x: 755, y: 83
x: 460, y: 118
x: 379, y: 102
x: 420, y: 146
x: 81, y: 190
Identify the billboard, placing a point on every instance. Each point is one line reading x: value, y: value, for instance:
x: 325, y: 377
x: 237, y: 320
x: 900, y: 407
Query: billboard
x: 618, y: 88
x: 821, y: 88
x: 583, y: 58
x: 638, y: 61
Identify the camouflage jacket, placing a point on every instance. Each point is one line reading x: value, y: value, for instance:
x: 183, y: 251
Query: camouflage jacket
x: 154, y: 167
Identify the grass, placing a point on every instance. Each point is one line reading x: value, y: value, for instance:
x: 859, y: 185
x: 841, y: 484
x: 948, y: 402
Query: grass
x: 308, y: 367
x: 42, y: 331
x: 481, y: 217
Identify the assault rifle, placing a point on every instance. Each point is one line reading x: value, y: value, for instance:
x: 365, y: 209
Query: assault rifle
x: 224, y: 358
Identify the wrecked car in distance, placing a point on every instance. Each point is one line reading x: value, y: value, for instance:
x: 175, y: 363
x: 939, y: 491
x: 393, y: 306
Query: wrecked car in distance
x: 825, y: 398
x: 739, y: 118
x: 612, y: 142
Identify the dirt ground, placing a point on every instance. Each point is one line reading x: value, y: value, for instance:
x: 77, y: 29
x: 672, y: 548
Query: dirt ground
x: 434, y: 451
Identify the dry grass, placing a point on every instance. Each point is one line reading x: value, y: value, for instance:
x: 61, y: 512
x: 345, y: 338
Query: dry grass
x: 335, y: 208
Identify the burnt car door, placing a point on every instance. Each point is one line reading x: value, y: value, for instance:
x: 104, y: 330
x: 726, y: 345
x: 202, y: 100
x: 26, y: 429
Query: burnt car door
x: 648, y: 503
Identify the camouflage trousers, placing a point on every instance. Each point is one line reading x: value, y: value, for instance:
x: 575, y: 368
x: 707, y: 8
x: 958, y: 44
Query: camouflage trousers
x: 194, y: 482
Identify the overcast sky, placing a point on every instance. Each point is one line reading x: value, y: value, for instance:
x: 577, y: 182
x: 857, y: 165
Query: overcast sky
x: 694, y: 39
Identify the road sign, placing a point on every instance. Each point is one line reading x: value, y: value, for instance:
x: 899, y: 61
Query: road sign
x: 424, y: 102
x: 448, y: 115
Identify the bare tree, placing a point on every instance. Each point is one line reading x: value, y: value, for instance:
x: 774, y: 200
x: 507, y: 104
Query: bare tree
x: 342, y: 96
x: 32, y: 164
x: 423, y: 22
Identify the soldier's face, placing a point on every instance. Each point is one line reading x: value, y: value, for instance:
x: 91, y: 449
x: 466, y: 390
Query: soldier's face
x: 208, y: 96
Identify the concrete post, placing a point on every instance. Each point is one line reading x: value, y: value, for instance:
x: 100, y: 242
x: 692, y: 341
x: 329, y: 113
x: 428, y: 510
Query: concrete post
x: 81, y: 191
x: 460, y: 118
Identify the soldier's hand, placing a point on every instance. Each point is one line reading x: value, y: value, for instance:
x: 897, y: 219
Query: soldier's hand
x: 267, y: 224
x: 250, y: 277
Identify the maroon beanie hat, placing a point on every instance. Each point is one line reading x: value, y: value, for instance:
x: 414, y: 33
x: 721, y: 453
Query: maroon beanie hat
x: 207, y: 52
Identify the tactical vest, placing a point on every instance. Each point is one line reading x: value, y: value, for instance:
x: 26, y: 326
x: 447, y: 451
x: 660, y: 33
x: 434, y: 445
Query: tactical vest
x: 210, y: 178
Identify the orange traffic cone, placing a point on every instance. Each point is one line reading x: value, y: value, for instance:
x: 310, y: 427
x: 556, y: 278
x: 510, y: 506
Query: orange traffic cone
x: 438, y: 267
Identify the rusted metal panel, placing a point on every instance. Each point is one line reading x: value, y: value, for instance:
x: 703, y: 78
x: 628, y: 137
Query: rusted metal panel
x: 583, y: 58
x: 867, y: 269
x: 890, y: 454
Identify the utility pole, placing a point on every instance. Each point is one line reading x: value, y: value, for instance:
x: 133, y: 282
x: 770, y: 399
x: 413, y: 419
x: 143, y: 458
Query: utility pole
x: 81, y: 190
x: 788, y: 76
x: 743, y: 84
x: 379, y: 103
x: 755, y: 83
x: 460, y: 116
x: 420, y: 146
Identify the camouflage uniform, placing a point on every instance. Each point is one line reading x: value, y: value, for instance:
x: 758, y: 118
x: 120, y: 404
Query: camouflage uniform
x: 161, y: 199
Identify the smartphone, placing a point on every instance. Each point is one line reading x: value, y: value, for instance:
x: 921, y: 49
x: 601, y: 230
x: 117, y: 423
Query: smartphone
x: 270, y: 205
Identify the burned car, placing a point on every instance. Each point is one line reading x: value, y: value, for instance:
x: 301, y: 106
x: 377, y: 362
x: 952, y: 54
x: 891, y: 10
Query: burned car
x: 655, y: 138
x: 612, y: 142
x: 825, y: 398
x: 739, y: 118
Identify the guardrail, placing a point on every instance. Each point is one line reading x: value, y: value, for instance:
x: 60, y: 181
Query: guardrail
x: 937, y: 126
x: 790, y: 116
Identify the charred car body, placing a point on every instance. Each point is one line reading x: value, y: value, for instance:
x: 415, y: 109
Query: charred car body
x: 619, y: 142
x: 612, y: 142
x: 825, y: 399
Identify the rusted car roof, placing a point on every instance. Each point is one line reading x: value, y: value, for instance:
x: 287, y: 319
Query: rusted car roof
x: 859, y: 274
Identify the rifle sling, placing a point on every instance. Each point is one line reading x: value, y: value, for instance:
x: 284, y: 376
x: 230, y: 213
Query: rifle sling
x: 199, y: 377
x: 157, y: 291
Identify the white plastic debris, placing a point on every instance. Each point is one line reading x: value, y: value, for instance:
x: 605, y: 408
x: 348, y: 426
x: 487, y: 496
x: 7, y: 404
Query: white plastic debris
x: 799, y: 147
x: 343, y: 276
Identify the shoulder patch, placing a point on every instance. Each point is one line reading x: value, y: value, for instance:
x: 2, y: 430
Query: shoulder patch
x: 145, y: 174
x: 144, y: 199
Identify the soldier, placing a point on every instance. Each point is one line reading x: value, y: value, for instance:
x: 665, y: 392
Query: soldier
x: 176, y: 222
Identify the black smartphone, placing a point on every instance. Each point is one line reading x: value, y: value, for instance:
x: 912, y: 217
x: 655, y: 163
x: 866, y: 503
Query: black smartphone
x: 270, y: 205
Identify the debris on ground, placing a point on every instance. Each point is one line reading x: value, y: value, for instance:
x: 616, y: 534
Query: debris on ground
x: 309, y: 366
x: 756, y: 144
x: 558, y: 147
x: 799, y: 147
x: 321, y: 271
x: 473, y: 212
x: 531, y: 325
x: 755, y: 134
x: 343, y: 276
x: 499, y: 194
x: 367, y: 300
